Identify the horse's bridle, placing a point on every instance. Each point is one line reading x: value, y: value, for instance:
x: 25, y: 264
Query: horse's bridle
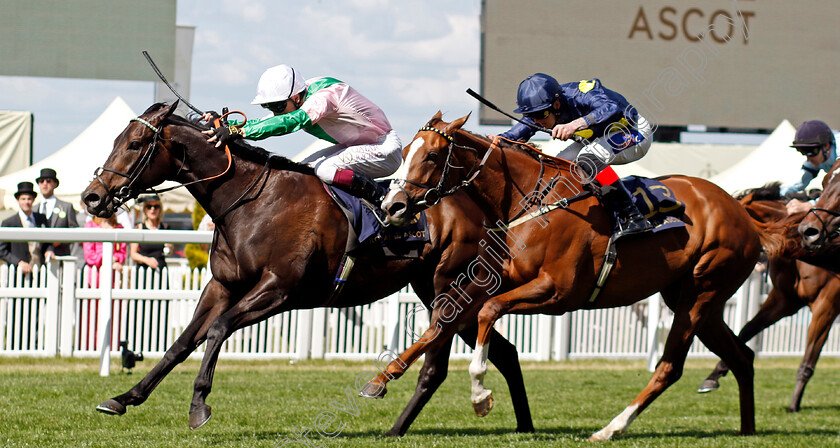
x: 434, y: 194
x: 126, y: 192
x: 824, y: 234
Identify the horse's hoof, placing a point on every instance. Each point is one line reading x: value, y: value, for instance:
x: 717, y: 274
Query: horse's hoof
x: 525, y: 429
x: 200, y: 417
x: 792, y: 409
x: 484, y: 406
x: 708, y: 386
x: 111, y: 407
x: 373, y: 390
x: 393, y: 432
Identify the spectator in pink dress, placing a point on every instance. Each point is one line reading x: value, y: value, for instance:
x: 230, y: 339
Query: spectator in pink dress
x: 93, y: 251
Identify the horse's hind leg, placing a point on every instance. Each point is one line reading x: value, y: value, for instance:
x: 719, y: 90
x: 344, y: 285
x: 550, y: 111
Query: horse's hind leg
x: 777, y: 306
x: 213, y: 302
x: 720, y: 339
x: 824, y: 310
x: 668, y: 371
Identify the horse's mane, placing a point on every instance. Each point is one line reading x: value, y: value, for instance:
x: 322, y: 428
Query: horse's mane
x: 772, y: 192
x: 768, y: 192
x: 239, y: 147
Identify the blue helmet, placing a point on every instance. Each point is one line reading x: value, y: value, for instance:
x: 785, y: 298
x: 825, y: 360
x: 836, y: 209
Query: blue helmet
x: 537, y: 92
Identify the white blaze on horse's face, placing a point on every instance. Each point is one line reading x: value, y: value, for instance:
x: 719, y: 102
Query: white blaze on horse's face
x: 402, y: 173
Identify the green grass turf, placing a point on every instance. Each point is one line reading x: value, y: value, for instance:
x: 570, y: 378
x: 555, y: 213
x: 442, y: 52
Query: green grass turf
x: 50, y: 402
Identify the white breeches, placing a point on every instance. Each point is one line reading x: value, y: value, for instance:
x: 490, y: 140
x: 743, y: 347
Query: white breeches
x: 602, y: 149
x: 378, y: 159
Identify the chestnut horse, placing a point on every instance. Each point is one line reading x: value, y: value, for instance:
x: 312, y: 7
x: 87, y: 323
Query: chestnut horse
x: 278, y: 243
x: 795, y: 284
x: 554, y: 260
x: 820, y: 228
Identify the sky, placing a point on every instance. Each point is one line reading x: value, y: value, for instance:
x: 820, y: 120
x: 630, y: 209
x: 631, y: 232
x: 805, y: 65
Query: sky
x: 412, y: 58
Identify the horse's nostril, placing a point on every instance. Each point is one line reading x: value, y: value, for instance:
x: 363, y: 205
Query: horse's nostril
x: 810, y: 232
x: 396, y: 208
x: 92, y: 199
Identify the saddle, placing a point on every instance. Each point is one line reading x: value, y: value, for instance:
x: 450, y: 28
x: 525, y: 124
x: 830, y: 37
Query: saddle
x: 659, y: 206
x: 655, y: 201
x: 369, y: 231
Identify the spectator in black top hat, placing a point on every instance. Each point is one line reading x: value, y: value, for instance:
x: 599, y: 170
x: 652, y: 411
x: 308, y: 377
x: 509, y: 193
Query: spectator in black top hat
x: 59, y: 214
x: 20, y: 253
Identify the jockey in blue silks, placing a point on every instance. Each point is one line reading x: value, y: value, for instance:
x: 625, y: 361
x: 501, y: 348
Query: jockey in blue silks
x: 619, y: 135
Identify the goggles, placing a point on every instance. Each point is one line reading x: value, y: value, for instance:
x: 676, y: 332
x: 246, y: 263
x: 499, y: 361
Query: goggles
x: 539, y: 115
x: 808, y: 151
x: 277, y: 107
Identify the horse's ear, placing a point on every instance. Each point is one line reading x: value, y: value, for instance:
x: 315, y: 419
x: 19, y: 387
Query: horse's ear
x: 171, y: 109
x: 438, y: 117
x: 162, y: 113
x: 457, y: 124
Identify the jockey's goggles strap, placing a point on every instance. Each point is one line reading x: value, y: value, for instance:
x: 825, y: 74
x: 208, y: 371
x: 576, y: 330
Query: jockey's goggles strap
x: 444, y: 134
x: 146, y: 123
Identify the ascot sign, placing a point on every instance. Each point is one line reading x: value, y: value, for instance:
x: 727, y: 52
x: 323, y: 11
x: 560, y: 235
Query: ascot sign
x: 724, y: 63
x: 721, y: 24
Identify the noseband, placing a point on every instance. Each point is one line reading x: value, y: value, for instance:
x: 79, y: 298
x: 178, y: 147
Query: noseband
x: 435, y: 194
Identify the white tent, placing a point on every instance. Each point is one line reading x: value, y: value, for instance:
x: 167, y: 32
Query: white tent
x: 76, y: 162
x: 774, y: 160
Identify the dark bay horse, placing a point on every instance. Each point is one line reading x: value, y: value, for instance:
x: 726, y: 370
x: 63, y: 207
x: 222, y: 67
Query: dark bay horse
x: 795, y: 284
x: 278, y: 243
x: 553, y: 262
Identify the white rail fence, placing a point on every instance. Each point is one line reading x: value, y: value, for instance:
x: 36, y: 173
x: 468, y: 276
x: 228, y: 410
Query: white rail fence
x: 60, y: 310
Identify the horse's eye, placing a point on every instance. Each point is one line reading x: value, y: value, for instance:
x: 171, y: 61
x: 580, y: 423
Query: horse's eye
x: 432, y: 157
x: 134, y: 146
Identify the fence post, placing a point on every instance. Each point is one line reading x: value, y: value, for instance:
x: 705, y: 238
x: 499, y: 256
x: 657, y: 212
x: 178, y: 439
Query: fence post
x: 319, y: 320
x: 563, y: 337
x: 544, y: 342
x: 52, y: 319
x: 304, y: 334
x: 392, y: 321
x: 68, y: 305
x: 654, y: 312
x: 756, y: 282
x: 104, y: 315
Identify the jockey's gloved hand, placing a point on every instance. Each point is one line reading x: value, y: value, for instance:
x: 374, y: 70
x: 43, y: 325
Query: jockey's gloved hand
x: 210, y: 117
x: 225, y: 133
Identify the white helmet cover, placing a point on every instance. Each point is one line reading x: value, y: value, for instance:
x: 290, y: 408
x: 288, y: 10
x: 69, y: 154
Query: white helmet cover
x: 278, y: 83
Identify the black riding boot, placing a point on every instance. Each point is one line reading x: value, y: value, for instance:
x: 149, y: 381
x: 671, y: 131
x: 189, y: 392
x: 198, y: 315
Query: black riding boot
x: 630, y: 220
x: 366, y: 188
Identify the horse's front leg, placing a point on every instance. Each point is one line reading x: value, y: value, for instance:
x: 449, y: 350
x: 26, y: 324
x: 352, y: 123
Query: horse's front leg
x: 261, y: 302
x: 213, y: 303
x: 536, y: 291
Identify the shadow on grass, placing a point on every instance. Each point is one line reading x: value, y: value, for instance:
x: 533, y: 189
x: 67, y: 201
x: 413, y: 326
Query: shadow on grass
x: 434, y: 431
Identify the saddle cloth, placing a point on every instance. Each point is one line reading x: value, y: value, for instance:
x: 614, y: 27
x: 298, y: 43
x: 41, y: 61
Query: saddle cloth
x: 366, y: 229
x: 655, y: 201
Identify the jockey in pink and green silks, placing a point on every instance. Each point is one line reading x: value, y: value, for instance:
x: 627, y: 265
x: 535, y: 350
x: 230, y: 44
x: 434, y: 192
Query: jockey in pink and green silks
x: 364, y: 144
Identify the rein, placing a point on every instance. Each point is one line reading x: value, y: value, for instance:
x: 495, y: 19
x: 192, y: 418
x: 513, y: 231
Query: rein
x: 127, y: 192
